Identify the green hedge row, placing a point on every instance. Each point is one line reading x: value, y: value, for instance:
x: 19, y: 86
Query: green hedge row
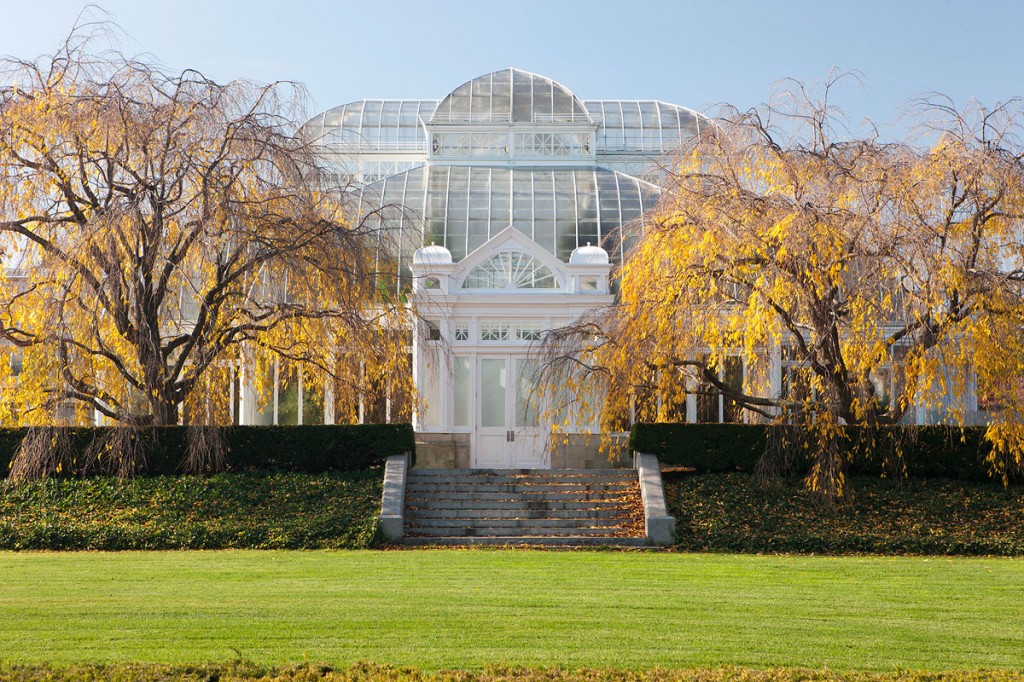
x: 309, y: 449
x: 928, y: 451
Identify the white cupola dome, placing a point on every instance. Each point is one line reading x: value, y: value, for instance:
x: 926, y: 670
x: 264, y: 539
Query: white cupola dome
x: 588, y: 255
x: 432, y: 255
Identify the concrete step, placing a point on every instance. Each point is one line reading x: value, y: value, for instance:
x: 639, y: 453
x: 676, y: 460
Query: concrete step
x: 595, y: 496
x: 524, y: 531
x: 507, y: 480
x: 622, y: 513
x: 564, y: 508
x: 517, y: 523
x: 520, y: 486
x: 626, y: 473
x: 531, y: 541
x: 459, y: 488
x: 538, y: 504
x: 494, y: 479
x: 504, y: 477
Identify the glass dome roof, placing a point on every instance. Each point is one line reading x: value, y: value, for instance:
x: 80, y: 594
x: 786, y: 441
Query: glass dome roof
x: 511, y: 96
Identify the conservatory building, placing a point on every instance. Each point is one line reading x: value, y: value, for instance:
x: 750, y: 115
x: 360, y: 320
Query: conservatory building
x: 514, y: 198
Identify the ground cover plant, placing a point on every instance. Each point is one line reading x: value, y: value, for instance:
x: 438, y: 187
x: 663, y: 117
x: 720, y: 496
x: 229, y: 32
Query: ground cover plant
x: 257, y: 510
x: 448, y: 609
x: 731, y: 512
x: 719, y: 512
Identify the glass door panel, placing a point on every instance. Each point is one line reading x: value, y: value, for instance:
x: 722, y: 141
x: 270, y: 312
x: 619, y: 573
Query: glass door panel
x: 493, y: 387
x: 528, y: 447
x: 526, y: 392
x: 463, y: 391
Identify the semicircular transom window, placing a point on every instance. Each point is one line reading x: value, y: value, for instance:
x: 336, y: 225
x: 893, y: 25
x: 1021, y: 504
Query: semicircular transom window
x: 511, y: 270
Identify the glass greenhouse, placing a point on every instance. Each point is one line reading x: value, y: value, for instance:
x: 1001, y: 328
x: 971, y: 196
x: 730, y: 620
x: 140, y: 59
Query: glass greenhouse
x: 513, y: 199
x: 506, y: 148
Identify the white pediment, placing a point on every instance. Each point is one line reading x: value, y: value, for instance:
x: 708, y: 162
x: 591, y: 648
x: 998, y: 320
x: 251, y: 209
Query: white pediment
x: 510, y: 261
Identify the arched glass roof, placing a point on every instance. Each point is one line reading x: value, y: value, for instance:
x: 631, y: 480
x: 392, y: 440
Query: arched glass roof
x: 372, y: 125
x: 623, y: 126
x: 645, y: 126
x: 512, y: 96
x: 461, y: 207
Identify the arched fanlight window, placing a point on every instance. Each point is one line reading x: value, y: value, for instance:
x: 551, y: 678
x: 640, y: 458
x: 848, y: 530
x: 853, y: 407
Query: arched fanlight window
x: 511, y: 270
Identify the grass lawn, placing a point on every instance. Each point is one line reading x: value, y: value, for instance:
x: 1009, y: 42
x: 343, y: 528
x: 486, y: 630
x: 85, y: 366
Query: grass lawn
x: 468, y: 609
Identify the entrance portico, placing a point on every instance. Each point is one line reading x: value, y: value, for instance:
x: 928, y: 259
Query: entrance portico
x: 480, y: 322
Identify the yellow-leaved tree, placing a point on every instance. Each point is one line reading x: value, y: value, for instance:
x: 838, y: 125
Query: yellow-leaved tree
x: 161, y: 231
x: 853, y: 280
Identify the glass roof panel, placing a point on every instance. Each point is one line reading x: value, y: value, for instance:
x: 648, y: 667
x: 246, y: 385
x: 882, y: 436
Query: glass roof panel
x: 624, y: 126
x: 645, y: 127
x: 372, y: 125
x: 461, y: 207
x: 559, y: 207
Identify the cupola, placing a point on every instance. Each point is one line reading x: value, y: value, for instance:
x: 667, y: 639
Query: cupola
x: 589, y: 267
x: 431, y: 266
x: 434, y: 254
x: 588, y: 255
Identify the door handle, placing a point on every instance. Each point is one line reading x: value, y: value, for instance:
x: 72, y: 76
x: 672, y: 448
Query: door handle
x: 513, y: 436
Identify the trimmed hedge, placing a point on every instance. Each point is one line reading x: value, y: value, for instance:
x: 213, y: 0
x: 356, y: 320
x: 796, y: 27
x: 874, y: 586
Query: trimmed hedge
x: 704, y: 447
x: 928, y: 451
x: 309, y: 449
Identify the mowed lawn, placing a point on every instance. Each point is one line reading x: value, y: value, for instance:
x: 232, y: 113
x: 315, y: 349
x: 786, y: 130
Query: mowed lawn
x: 467, y: 609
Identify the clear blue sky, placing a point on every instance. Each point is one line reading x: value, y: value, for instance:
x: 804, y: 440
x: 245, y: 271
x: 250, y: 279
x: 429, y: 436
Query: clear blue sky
x: 697, y: 54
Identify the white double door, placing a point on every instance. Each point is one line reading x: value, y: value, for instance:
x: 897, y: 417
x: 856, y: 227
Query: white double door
x: 508, y: 434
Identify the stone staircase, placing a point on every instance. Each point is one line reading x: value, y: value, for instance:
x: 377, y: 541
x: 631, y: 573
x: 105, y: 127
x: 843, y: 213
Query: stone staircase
x: 563, y: 507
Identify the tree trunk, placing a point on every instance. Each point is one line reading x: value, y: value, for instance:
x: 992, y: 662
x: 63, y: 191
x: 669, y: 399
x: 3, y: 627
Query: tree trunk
x: 165, y: 411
